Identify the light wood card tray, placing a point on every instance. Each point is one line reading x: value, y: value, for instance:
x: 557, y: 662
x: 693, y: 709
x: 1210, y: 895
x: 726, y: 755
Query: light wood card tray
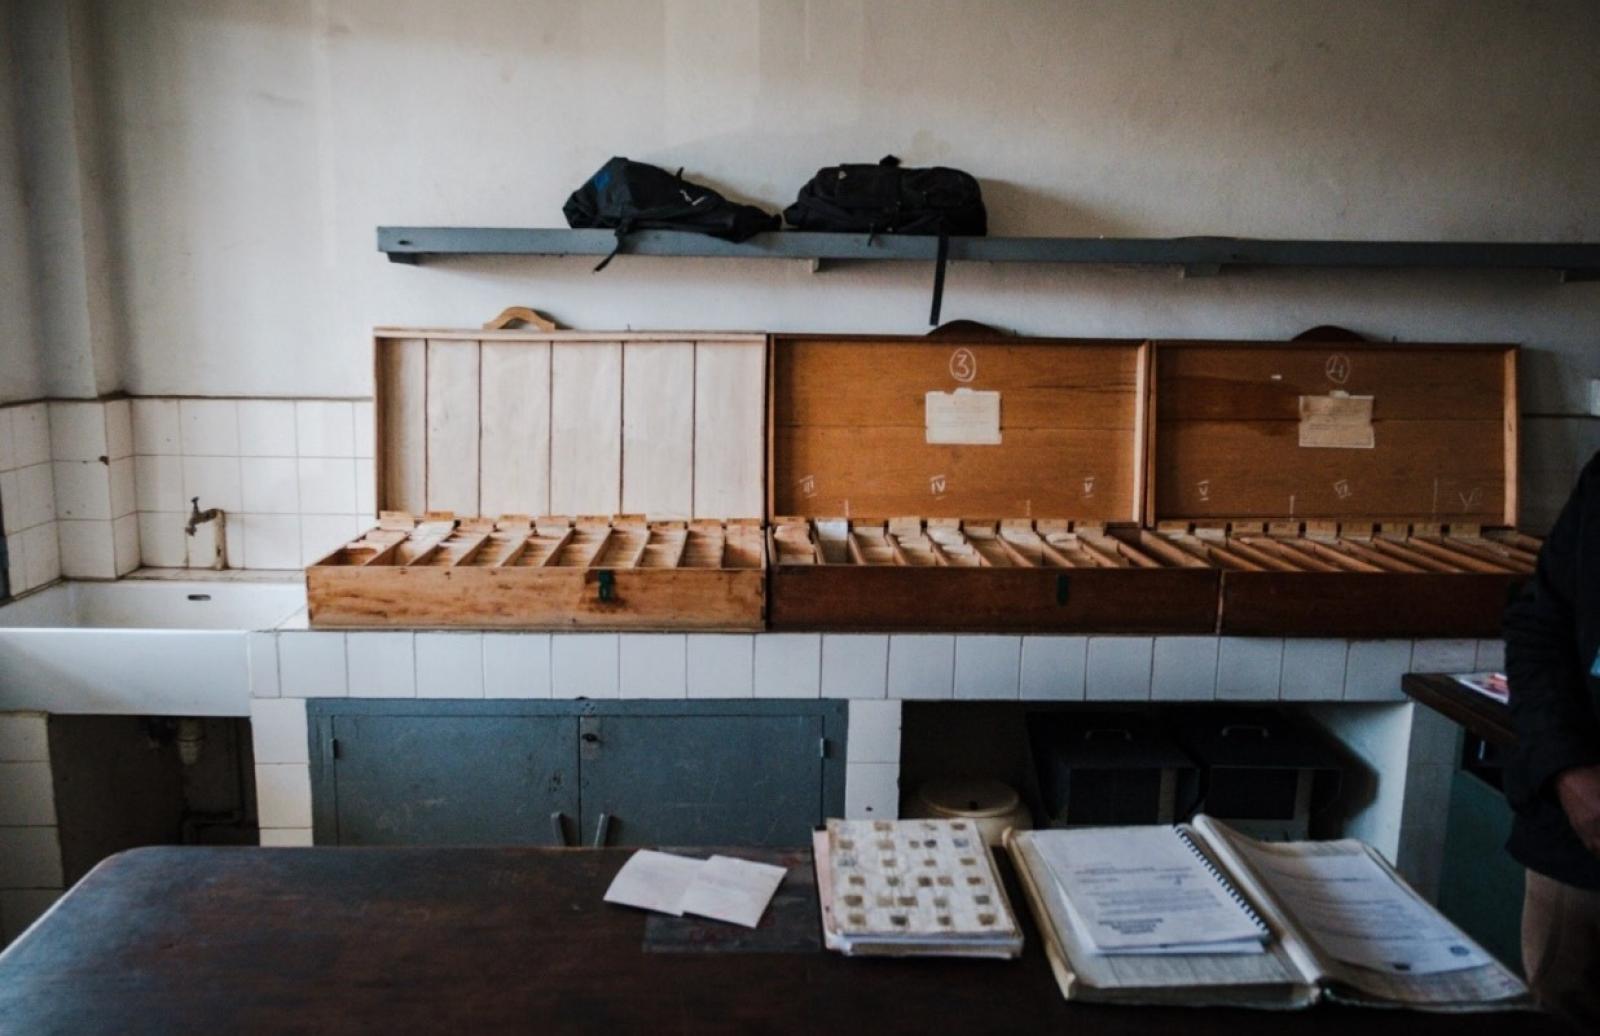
x: 657, y: 437
x: 556, y: 572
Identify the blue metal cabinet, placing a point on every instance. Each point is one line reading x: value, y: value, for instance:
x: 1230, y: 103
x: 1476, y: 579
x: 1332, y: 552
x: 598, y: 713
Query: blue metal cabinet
x: 701, y: 780
x: 580, y: 772
x: 446, y: 779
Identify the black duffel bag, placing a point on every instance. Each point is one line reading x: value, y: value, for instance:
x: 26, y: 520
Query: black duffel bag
x: 888, y: 199
x: 626, y: 196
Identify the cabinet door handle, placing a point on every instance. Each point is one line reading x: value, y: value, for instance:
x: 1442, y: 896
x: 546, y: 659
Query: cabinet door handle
x: 558, y: 828
x: 602, y: 828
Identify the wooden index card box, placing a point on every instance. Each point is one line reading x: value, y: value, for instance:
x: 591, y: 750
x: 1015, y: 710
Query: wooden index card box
x: 607, y: 481
x: 1345, y: 489
x: 967, y: 482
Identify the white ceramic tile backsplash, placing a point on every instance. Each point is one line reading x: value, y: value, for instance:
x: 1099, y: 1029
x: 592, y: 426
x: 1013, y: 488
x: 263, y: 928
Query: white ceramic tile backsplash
x: 214, y: 480
x: 721, y: 665
x: 269, y: 485
x: 278, y: 730
x: 87, y: 550
x: 119, y: 429
x: 1249, y: 668
x: 788, y: 665
x: 1313, y: 669
x: 24, y: 737
x: 283, y: 794
x: 516, y: 665
x: 922, y: 665
x: 36, y: 495
x: 325, y: 428
x: 1373, y: 670
x: 583, y: 665
x: 449, y: 665
x: 262, y: 461
x: 653, y: 665
x: 1053, y: 667
x: 381, y: 665
x: 28, y: 495
x: 29, y: 798
x: 1444, y: 656
x: 77, y: 431
x: 874, y: 732
x: 30, y: 434
x: 269, y: 540
x: 266, y: 428
x: 988, y: 667
x: 312, y: 665
x: 855, y: 665
x: 83, y: 489
x: 1118, y: 669
x: 158, y: 483
x: 155, y: 427
x: 1184, y: 669
x: 8, y: 442
x: 208, y: 427
x: 872, y: 791
x: 161, y: 540
x: 263, y: 664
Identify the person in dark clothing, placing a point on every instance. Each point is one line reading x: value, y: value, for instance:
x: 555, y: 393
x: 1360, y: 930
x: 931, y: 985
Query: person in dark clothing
x: 1552, y: 776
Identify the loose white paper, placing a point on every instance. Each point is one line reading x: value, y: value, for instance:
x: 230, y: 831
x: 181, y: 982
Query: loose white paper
x: 962, y: 418
x: 721, y: 888
x: 1357, y: 913
x: 738, y: 891
x: 654, y: 881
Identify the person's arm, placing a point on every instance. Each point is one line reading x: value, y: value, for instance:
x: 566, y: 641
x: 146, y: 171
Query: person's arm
x: 1558, y: 738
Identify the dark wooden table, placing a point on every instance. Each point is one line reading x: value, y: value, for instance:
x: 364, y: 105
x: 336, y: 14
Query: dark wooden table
x: 1485, y: 717
x: 467, y: 941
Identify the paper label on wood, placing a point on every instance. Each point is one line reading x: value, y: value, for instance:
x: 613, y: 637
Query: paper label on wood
x: 1338, y: 421
x: 963, y: 418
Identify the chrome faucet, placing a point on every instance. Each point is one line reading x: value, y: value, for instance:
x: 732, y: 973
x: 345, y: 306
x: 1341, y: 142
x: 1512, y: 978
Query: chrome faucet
x: 198, y: 518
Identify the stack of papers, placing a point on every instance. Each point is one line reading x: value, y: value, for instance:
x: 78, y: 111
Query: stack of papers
x: 1147, y: 890
x: 722, y: 888
x: 905, y: 888
x: 1490, y: 685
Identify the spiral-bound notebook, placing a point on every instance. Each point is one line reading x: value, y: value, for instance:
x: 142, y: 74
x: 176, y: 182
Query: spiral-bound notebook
x: 1150, y: 890
x: 1200, y: 914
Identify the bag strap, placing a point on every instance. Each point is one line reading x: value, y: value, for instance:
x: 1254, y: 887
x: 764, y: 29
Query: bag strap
x: 623, y: 229
x: 938, y: 274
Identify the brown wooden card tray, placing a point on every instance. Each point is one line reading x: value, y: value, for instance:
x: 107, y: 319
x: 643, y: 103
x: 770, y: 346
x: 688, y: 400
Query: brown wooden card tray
x: 1015, y: 574
x: 556, y: 572
x: 1056, y: 430
x: 1343, y: 489
x: 1361, y: 581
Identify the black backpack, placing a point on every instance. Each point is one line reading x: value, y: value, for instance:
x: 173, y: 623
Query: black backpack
x: 625, y: 196
x: 886, y: 199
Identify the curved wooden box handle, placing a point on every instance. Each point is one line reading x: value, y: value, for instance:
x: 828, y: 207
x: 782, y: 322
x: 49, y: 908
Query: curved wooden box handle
x: 521, y: 314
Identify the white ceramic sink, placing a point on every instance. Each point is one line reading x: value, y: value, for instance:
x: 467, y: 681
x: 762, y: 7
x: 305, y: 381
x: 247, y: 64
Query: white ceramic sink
x: 139, y: 646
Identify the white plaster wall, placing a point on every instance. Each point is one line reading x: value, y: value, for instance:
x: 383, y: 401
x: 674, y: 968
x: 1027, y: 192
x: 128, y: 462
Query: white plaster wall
x: 251, y: 148
x: 20, y: 375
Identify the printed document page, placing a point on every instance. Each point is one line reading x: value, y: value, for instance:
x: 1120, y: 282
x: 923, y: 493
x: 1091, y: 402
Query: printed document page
x: 1356, y: 913
x: 1142, y: 889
